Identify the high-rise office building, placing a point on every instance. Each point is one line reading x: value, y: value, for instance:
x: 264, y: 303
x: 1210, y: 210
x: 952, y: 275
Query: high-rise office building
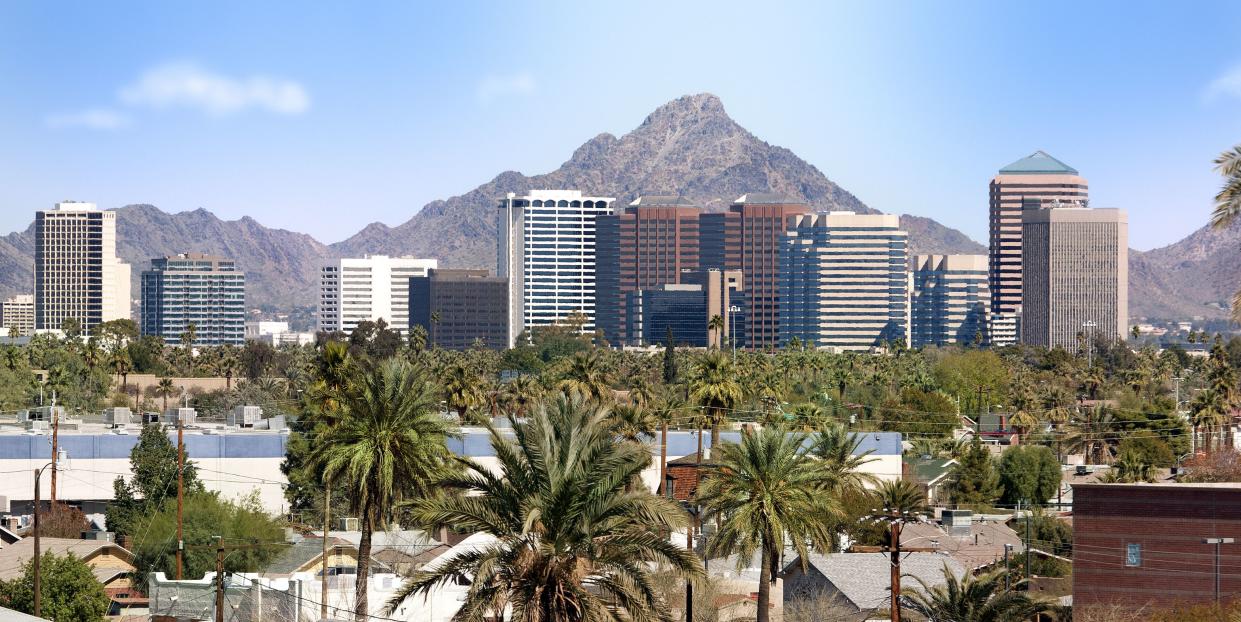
x: 195, y: 289
x: 17, y: 316
x: 370, y: 288
x: 950, y: 301
x: 844, y: 281
x: 651, y: 243
x: 546, y: 250
x: 1075, y: 276
x: 1036, y: 181
x: 78, y: 275
x: 459, y: 308
x: 748, y: 237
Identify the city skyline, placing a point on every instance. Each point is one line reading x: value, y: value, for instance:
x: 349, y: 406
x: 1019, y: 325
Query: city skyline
x: 266, y: 122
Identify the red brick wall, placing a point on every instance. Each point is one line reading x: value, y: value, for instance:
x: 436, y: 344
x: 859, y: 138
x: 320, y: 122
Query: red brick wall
x: 1169, y: 523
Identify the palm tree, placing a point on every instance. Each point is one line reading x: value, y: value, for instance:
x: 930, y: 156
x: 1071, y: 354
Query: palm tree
x: 900, y: 498
x: 715, y: 326
x: 1209, y: 410
x: 165, y: 389
x: 841, y: 458
x: 632, y: 423
x: 1094, y: 433
x: 587, y: 377
x: 1228, y: 203
x: 226, y: 364
x: 122, y: 364
x: 521, y: 394
x: 462, y: 389
x: 766, y: 494
x: 973, y: 599
x: 575, y: 541
x: 388, y: 447
x: 714, y: 385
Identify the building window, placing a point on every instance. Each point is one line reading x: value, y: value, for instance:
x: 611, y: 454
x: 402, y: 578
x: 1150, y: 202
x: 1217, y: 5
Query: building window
x: 1133, y: 555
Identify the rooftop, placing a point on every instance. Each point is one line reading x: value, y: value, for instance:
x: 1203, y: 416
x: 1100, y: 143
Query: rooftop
x: 662, y: 200
x: 863, y: 578
x: 765, y: 198
x: 1038, y: 163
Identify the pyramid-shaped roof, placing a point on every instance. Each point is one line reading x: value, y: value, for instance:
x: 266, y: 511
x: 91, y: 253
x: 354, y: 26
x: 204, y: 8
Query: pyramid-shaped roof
x: 1038, y: 162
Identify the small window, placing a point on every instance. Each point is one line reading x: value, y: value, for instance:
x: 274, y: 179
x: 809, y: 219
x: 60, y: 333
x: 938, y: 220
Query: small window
x: 1133, y: 555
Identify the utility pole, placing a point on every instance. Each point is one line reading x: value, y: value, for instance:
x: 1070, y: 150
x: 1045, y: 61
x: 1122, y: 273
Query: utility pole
x: 180, y: 493
x: 38, y: 576
x: 1008, y: 577
x: 895, y: 551
x: 219, y: 579
x: 327, y: 509
x: 1089, y: 326
x: 1029, y: 515
x: 1216, y: 542
x: 55, y: 441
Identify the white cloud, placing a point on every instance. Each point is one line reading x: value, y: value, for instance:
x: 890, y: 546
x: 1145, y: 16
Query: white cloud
x: 496, y: 87
x: 1227, y: 85
x: 190, y: 86
x: 94, y: 119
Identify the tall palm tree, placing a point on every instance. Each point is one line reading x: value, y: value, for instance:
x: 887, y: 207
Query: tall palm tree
x: 973, y: 599
x: 521, y: 394
x: 165, y: 388
x: 1209, y: 411
x: 1228, y: 203
x: 715, y: 326
x: 632, y: 423
x: 388, y: 447
x: 713, y: 384
x: 766, y: 494
x: 575, y: 541
x: 587, y: 377
x: 1095, y: 433
x: 462, y: 389
x: 841, y: 458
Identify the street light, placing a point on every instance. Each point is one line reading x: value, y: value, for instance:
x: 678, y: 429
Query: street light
x: 1089, y: 325
x: 1217, y: 542
x: 61, y: 456
x: 733, y: 310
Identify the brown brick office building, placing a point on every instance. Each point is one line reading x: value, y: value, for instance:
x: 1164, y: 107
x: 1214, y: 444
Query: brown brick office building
x: 1140, y: 545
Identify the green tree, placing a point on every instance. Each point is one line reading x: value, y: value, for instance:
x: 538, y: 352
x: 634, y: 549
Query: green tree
x: 975, y: 481
x: 587, y: 376
x: 388, y: 447
x: 205, y: 517
x: 767, y: 493
x: 69, y: 591
x: 1029, y: 474
x: 973, y: 599
x: 670, y: 360
x: 575, y: 539
x: 153, y: 462
x: 462, y: 390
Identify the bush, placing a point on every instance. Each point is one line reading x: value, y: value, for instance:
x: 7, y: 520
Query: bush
x: 1029, y: 474
x: 70, y: 590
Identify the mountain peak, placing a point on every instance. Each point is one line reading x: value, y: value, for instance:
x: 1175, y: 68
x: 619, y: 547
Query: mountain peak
x: 688, y: 108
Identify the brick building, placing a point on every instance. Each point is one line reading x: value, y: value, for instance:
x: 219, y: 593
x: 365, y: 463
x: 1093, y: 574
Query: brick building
x: 1143, y: 545
x: 460, y: 308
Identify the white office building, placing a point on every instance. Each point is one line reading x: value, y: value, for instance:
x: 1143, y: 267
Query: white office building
x: 77, y: 272
x: 17, y: 316
x: 950, y: 301
x: 844, y: 281
x: 373, y: 287
x: 547, y: 251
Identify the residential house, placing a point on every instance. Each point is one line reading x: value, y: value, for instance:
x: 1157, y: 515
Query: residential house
x: 857, y: 585
x: 931, y: 474
x: 111, y: 564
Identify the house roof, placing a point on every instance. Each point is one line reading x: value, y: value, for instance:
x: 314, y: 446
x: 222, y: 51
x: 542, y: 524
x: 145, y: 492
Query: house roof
x: 983, y: 546
x: 930, y: 471
x: 864, y: 578
x: 8, y: 615
x: 302, y: 553
x: 1039, y: 162
x: 12, y: 557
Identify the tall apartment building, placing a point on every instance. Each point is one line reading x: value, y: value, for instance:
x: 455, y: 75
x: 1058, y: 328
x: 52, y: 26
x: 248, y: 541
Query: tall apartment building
x: 844, y: 281
x: 1075, y: 275
x: 373, y: 287
x: 748, y: 237
x: 546, y: 249
x: 17, y: 316
x: 1036, y: 181
x: 650, y: 244
x: 77, y: 272
x: 194, y: 289
x: 459, y: 308
x: 950, y: 301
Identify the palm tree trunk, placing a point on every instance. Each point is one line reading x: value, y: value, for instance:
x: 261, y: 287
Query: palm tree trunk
x: 360, y: 612
x: 715, y: 429
x: 764, y: 585
x: 663, y: 457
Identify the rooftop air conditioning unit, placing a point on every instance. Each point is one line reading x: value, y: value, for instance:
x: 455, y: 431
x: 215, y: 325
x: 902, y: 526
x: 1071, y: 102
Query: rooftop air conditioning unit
x: 183, y: 416
x: 348, y: 524
x: 244, y: 416
x: 117, y: 416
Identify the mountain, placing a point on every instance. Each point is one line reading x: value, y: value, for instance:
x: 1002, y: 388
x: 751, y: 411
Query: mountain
x: 688, y: 146
x: 1196, y: 276
x: 282, y: 267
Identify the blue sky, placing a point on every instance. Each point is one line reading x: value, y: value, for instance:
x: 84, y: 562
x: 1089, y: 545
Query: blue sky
x: 322, y: 117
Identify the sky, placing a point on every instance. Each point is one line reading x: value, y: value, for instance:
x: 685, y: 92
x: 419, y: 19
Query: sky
x: 324, y: 117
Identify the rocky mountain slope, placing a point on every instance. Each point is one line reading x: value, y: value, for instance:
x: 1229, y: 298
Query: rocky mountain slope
x: 688, y: 146
x: 1193, y: 277
x: 281, y: 267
